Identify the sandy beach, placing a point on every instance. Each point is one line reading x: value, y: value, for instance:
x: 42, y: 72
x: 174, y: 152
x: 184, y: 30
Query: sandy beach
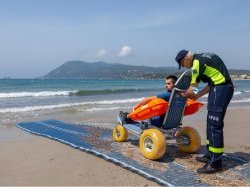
x: 38, y: 161
x: 31, y: 160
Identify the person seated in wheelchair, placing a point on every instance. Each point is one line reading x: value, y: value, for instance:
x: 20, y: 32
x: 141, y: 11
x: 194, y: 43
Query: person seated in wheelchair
x: 156, y: 120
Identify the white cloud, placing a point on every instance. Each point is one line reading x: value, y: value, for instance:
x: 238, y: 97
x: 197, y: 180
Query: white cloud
x: 125, y: 51
x: 102, y: 52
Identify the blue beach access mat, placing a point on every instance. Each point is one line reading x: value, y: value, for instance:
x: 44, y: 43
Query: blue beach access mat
x: 174, y: 169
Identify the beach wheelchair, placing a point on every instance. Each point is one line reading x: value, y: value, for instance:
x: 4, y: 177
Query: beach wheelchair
x: 152, y: 140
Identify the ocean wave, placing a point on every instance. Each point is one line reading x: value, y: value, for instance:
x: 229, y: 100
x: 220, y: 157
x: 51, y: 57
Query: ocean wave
x: 103, y: 109
x: 85, y: 92
x: 243, y: 100
x: 108, y: 91
x: 71, y: 93
x: 235, y: 93
x: 90, y: 107
x: 49, y: 107
x: 36, y: 94
x: 246, y: 91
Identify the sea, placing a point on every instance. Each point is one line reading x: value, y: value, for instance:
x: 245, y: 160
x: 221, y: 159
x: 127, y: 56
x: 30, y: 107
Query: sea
x: 19, y: 97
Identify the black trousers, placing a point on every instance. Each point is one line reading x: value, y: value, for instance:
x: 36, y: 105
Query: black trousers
x: 218, y: 100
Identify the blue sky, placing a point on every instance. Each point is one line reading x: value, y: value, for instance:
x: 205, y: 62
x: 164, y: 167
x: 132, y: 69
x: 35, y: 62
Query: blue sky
x: 37, y: 36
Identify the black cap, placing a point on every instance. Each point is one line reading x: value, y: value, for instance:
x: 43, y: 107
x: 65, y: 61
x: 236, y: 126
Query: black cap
x: 179, y: 57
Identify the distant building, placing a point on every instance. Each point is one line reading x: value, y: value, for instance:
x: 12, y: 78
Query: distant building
x: 234, y: 76
x: 243, y: 76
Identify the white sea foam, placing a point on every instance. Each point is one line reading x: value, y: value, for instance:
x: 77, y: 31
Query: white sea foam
x: 235, y: 93
x: 91, y: 105
x: 49, y: 107
x: 103, y: 109
x: 243, y: 100
x: 36, y: 94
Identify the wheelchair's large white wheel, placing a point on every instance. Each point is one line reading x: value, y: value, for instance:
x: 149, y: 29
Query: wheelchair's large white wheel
x: 120, y: 134
x: 188, y: 140
x: 152, y: 144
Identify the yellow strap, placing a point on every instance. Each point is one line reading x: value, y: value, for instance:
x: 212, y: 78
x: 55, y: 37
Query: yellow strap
x: 216, y: 150
x: 207, y: 142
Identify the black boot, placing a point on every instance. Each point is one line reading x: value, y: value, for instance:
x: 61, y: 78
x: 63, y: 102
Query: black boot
x: 211, y: 168
x: 203, y: 158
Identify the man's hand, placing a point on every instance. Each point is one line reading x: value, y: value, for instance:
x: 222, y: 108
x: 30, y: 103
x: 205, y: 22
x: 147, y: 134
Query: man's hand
x: 194, y: 97
x: 189, y: 93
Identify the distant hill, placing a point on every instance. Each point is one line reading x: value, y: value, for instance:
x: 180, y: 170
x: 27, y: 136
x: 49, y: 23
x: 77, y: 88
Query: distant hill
x: 102, y: 70
x: 239, y: 72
